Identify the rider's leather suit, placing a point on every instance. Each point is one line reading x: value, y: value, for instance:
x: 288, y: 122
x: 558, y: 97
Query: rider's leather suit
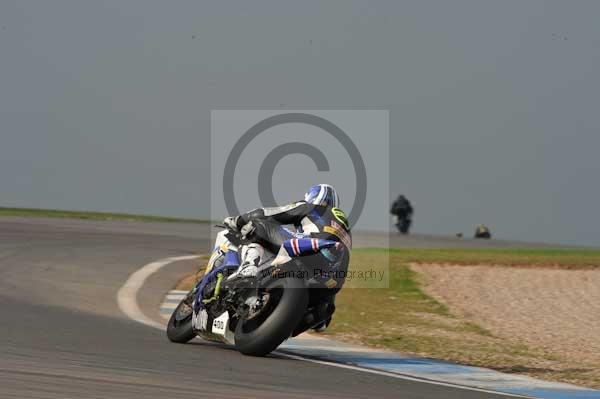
x: 309, y: 221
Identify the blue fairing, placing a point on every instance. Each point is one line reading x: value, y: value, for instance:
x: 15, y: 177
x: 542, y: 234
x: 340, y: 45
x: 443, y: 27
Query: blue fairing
x: 231, y: 259
x: 231, y: 262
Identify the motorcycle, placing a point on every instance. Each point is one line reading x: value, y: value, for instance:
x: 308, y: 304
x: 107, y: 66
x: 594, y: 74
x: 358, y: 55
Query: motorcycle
x: 256, y: 314
x: 403, y: 223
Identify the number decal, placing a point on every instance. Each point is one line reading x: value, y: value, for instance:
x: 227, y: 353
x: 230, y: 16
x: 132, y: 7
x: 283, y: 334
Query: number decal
x: 341, y: 217
x: 219, y: 324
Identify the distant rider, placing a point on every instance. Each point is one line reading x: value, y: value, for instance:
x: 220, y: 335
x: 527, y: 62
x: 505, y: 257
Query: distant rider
x: 402, y: 210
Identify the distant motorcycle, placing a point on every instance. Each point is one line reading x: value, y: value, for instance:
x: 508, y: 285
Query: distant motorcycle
x: 255, y: 314
x: 403, y: 223
x: 402, y: 211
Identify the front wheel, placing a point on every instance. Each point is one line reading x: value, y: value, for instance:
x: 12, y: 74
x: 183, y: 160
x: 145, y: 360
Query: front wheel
x: 180, y: 329
x: 265, y: 331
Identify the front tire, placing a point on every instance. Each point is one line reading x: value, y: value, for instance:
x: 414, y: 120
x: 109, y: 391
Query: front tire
x: 180, y: 329
x: 279, y: 323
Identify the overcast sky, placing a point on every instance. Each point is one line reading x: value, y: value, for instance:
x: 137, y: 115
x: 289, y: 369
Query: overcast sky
x: 494, y: 105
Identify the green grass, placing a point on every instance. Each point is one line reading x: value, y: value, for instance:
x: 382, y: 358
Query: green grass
x: 50, y: 213
x: 403, y: 318
x: 564, y: 258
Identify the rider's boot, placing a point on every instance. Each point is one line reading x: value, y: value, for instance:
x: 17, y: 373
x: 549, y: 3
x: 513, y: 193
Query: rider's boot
x: 323, y: 326
x: 251, y: 256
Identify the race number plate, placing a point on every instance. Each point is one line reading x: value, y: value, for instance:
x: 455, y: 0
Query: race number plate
x: 221, y: 324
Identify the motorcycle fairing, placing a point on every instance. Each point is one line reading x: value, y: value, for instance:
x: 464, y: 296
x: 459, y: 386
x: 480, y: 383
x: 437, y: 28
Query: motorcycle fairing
x: 230, y: 263
x: 214, y: 329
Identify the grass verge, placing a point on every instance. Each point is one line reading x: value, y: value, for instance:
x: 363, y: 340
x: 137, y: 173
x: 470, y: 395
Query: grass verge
x: 100, y: 216
x: 549, y: 258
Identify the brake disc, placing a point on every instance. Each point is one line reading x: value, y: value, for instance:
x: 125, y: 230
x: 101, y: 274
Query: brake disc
x: 255, y: 304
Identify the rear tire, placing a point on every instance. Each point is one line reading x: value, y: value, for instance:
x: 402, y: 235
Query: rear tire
x: 280, y: 323
x: 180, y: 329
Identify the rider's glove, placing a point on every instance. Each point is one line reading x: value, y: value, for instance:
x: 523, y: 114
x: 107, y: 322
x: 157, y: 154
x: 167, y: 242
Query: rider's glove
x: 231, y: 223
x: 247, y: 230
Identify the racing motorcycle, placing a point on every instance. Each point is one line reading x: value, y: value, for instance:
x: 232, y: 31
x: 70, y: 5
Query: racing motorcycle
x: 258, y: 313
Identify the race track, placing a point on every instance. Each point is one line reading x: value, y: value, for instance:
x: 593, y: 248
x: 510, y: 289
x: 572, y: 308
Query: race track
x: 64, y: 336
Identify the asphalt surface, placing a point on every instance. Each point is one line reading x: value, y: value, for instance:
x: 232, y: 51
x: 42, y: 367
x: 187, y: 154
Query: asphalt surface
x: 63, y: 335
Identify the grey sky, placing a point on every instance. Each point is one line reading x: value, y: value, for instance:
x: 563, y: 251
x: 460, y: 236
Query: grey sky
x: 105, y: 105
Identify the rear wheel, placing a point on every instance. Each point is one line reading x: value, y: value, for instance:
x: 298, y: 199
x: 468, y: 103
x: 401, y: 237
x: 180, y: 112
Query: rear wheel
x: 261, y: 333
x: 180, y: 329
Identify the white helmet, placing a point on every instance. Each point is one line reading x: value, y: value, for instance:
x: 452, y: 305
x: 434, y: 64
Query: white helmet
x: 322, y: 195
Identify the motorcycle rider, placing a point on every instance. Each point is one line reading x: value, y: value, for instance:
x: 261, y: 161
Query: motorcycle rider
x: 402, y: 210
x: 318, y: 216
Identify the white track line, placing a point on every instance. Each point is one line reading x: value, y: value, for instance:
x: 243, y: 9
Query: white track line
x: 175, y: 296
x: 127, y: 300
x: 127, y: 295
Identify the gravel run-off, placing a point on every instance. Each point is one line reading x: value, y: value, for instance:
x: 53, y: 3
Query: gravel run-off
x: 553, y: 310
